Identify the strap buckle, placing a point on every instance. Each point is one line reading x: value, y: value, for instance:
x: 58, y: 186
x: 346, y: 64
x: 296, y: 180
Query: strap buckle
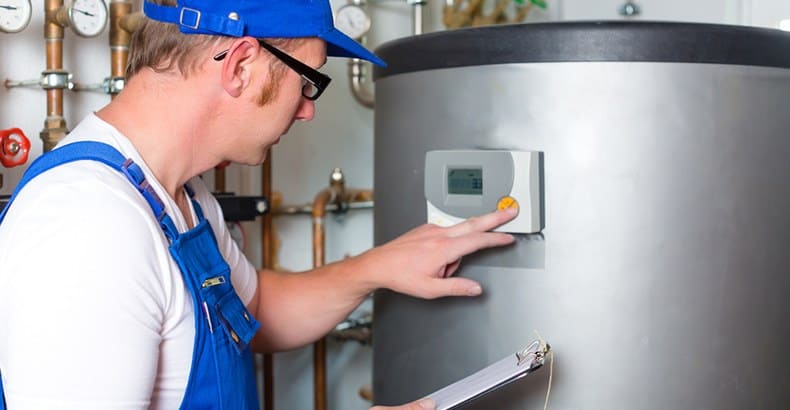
x: 195, y: 14
x: 136, y: 176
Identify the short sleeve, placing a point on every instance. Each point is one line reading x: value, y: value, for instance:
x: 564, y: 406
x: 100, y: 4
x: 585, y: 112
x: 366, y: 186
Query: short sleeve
x: 83, y: 302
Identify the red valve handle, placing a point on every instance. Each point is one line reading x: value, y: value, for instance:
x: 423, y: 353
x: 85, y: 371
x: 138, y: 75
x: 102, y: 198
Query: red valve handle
x: 14, y: 147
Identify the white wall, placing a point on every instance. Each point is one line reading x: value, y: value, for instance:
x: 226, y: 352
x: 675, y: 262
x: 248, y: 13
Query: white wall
x: 340, y: 136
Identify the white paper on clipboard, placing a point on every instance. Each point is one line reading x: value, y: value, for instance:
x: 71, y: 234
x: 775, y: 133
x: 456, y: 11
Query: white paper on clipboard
x: 500, y: 373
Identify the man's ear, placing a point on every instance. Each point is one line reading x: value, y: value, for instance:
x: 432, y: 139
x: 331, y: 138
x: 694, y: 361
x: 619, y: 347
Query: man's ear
x: 236, y: 70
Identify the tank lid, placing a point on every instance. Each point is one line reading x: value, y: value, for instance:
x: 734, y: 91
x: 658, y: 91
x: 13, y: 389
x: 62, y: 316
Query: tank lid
x: 586, y: 42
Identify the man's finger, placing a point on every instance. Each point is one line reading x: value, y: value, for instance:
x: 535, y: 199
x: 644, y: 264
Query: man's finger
x: 453, y: 287
x: 474, y: 242
x: 482, y: 223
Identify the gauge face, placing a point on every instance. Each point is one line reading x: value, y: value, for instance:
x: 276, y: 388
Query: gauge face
x: 352, y: 20
x: 14, y: 15
x: 87, y: 17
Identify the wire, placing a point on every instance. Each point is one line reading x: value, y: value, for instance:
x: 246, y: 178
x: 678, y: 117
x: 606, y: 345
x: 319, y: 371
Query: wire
x: 545, y: 347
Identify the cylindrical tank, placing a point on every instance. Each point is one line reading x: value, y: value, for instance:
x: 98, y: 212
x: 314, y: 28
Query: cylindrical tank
x: 662, y: 277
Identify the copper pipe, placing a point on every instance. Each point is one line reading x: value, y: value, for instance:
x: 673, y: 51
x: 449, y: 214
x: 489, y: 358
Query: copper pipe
x: 54, y: 125
x: 336, y: 194
x: 219, y: 179
x: 120, y: 38
x: 366, y: 393
x: 322, y: 199
x: 286, y: 210
x: 267, y: 252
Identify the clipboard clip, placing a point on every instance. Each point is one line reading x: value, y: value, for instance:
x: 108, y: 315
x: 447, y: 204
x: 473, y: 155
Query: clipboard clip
x: 494, y: 376
x: 533, y: 355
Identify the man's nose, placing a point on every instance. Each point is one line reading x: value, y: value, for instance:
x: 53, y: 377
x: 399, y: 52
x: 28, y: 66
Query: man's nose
x: 306, y: 110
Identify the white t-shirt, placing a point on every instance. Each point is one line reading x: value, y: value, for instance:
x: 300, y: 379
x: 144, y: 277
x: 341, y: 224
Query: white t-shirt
x: 94, y: 313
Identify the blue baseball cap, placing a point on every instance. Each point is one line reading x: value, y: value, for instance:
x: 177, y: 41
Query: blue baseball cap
x: 261, y: 19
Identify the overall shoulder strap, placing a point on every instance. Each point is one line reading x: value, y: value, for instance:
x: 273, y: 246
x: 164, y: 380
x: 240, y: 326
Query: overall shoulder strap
x: 106, y: 154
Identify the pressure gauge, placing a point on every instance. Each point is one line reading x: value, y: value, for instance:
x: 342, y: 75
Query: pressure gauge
x: 14, y: 15
x: 87, y: 17
x: 352, y: 20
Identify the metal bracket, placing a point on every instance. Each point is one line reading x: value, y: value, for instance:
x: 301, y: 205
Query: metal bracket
x: 56, y: 79
x: 114, y: 85
x: 49, y: 80
x: 110, y: 85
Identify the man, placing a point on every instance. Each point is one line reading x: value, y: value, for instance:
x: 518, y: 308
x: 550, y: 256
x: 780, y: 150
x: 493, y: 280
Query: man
x: 120, y: 286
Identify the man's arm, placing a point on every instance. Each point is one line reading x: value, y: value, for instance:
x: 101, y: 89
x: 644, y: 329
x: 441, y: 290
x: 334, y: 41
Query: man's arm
x: 297, y: 308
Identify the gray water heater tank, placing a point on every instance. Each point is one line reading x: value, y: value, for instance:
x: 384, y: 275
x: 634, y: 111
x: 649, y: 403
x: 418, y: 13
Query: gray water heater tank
x: 661, y: 279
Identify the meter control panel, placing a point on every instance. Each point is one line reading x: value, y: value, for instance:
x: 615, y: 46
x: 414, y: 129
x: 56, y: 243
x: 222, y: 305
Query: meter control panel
x: 460, y: 184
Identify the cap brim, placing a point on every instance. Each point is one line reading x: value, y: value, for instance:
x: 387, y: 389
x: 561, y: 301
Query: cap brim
x: 341, y: 45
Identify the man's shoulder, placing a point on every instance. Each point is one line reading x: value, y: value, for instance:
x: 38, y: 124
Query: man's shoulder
x: 79, y: 194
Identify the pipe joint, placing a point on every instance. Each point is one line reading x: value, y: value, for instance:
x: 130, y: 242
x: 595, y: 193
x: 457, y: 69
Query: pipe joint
x: 355, y: 329
x: 357, y: 73
x: 120, y: 17
x: 337, y: 179
x: 54, y: 131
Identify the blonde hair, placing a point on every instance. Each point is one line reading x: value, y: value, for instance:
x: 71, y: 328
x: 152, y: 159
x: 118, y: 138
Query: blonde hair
x: 163, y: 48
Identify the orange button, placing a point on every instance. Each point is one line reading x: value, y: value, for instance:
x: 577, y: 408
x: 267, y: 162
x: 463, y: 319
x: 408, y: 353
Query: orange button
x: 507, y: 202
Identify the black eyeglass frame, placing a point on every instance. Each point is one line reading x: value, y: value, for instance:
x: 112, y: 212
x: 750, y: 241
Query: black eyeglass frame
x: 314, y: 77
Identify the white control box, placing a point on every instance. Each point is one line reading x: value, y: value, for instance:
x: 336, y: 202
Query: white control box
x: 460, y: 184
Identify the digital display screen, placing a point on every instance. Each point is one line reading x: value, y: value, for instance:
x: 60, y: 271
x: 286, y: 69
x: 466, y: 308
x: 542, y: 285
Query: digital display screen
x: 465, y: 181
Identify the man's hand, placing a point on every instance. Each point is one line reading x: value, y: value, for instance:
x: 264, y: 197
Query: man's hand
x: 420, y: 262
x: 422, y: 404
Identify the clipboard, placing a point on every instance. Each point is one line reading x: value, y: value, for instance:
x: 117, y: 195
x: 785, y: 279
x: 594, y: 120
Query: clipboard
x: 498, y: 374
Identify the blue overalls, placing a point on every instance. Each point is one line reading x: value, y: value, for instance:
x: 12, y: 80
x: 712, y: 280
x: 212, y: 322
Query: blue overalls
x: 222, y: 375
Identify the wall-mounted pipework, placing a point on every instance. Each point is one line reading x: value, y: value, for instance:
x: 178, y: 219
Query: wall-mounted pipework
x: 355, y: 329
x: 266, y: 385
x: 54, y: 125
x: 418, y: 13
x: 87, y: 18
x: 458, y: 14
x: 337, y: 194
x: 353, y: 20
x: 122, y: 24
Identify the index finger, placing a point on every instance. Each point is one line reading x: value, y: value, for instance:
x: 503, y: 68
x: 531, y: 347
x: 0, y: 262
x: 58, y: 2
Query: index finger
x: 482, y: 223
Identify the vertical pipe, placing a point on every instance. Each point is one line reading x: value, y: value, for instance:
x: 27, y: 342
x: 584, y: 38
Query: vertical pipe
x: 357, y: 73
x: 219, y: 179
x: 319, y: 347
x: 417, y: 16
x: 334, y: 194
x: 119, y: 39
x: 267, y: 247
x: 54, y: 125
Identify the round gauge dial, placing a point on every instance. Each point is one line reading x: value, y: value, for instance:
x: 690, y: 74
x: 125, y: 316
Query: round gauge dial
x: 352, y: 20
x: 87, y: 17
x: 14, y: 15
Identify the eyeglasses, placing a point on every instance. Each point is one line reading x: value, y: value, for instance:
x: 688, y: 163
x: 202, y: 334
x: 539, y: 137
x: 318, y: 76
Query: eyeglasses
x: 314, y: 81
